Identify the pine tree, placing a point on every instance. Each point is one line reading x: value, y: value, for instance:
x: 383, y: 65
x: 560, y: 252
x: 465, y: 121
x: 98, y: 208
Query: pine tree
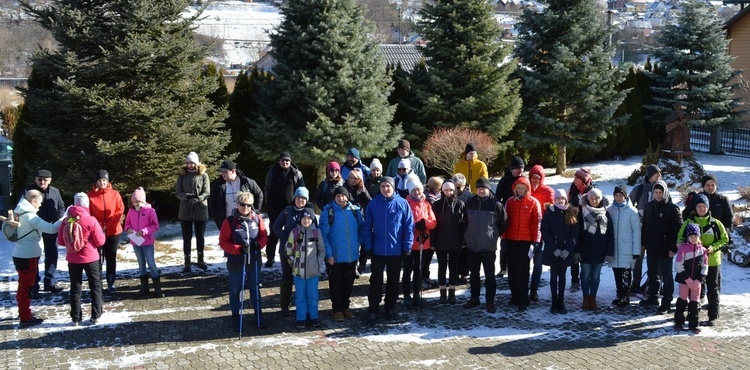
x: 243, y: 107
x: 569, y: 86
x: 329, y: 90
x: 468, y: 81
x: 694, y: 69
x: 124, y: 92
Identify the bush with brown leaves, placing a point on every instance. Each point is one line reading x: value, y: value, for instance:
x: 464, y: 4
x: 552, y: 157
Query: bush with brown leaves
x: 443, y: 147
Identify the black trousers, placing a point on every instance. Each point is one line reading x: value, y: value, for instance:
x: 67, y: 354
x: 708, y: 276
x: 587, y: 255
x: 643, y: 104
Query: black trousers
x: 187, y: 236
x: 557, y: 281
x: 375, y: 294
x: 623, y: 278
x: 713, y: 285
x: 518, y: 271
x: 412, y: 265
x: 341, y: 282
x: 484, y: 259
x: 448, y: 260
x: 93, y: 274
x: 426, y: 262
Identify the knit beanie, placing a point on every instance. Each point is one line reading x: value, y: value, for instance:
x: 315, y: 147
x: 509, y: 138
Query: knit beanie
x: 376, y: 164
x: 285, y: 155
x: 389, y: 180
x: 403, y: 143
x: 652, y: 170
x: 302, y: 192
x: 81, y: 199
x: 621, y: 189
x: 333, y: 166
x: 470, y: 148
x: 584, y: 174
x: 353, y: 152
x: 448, y: 184
x: 706, y: 178
x: 516, y: 162
x: 101, y: 174
x: 693, y: 229
x: 192, y: 158
x: 404, y: 163
x: 412, y: 182
x: 561, y: 193
x: 307, y: 212
x: 698, y: 199
x: 483, y: 183
x: 138, y: 195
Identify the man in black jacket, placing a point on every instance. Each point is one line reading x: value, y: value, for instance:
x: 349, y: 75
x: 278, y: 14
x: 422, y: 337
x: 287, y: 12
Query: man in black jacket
x: 283, y: 179
x: 52, y: 209
x: 221, y: 202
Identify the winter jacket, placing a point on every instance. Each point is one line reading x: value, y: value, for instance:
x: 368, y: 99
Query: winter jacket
x: 577, y: 199
x: 450, y: 214
x: 691, y: 261
x: 641, y: 194
x: 324, y: 194
x: 422, y: 210
x: 193, y: 190
x: 524, y: 216
x: 53, y: 207
x: 32, y: 226
x: 107, y: 207
x: 713, y: 236
x: 145, y: 221
x: 238, y: 231
x: 486, y: 220
x: 661, y: 223
x: 400, y: 184
x: 504, y: 190
x: 280, y: 186
x: 627, y: 229
x: 373, y: 185
x: 543, y: 193
x: 719, y: 207
x: 417, y: 167
x: 306, y: 251
x: 346, y: 167
x: 343, y: 236
x: 360, y: 198
x: 473, y: 170
x: 557, y: 234
x: 465, y: 195
x: 389, y: 226
x: 217, y: 199
x: 593, y: 247
x: 92, y: 233
x: 289, y: 219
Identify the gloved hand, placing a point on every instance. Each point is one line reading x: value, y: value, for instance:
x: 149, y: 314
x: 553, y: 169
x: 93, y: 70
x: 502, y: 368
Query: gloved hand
x: 254, y: 244
x: 420, y: 225
x: 245, y: 248
x: 576, y: 257
x: 608, y: 259
x: 557, y: 253
x: 564, y: 254
x: 406, y: 254
x: 709, y: 250
x: 192, y: 196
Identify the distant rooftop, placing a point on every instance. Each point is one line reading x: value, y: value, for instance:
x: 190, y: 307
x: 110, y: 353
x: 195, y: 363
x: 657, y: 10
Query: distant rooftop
x: 408, y: 55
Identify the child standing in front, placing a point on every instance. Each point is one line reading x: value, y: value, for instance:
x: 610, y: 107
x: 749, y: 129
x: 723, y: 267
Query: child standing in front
x: 141, y: 224
x: 306, y: 252
x: 691, y: 265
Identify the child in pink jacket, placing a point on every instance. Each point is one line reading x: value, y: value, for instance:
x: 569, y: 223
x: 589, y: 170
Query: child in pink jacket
x: 141, y: 224
x: 691, y: 267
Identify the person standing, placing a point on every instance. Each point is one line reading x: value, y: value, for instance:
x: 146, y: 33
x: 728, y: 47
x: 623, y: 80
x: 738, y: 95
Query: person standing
x: 404, y: 170
x: 560, y: 234
x: 142, y: 222
x: 282, y: 180
x: 691, y: 266
x: 354, y: 161
x: 360, y: 197
x: 106, y: 206
x: 718, y: 204
x: 470, y: 166
x: 639, y: 197
x: 223, y: 190
x: 596, y: 245
x: 306, y: 252
x: 627, y: 231
x: 661, y: 223
x: 333, y: 180
x: 503, y: 192
x: 389, y: 235
x: 26, y: 251
x: 546, y: 196
x: 343, y: 227
x: 373, y: 181
x: 464, y: 194
x: 193, y: 190
x: 486, y: 220
x: 424, y: 223
x: 51, y: 210
x: 85, y: 259
x: 448, y: 238
x: 404, y: 152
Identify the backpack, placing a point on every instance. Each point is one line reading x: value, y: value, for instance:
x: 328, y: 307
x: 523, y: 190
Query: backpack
x: 72, y: 235
x: 11, y: 233
x: 330, y: 215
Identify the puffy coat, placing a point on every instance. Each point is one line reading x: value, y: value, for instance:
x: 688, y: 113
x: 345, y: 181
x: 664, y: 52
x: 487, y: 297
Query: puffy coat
x: 145, y: 221
x: 450, y: 214
x: 193, y: 189
x: 346, y: 167
x: 661, y: 223
x: 389, y: 226
x: 543, y: 193
x: 627, y: 229
x: 92, y: 233
x: 236, y: 232
x: 559, y: 235
x: 343, y: 237
x: 373, y: 186
x: 691, y: 261
x: 280, y: 186
x: 417, y: 167
x: 53, y: 207
x: 324, y: 193
x: 306, y: 251
x: 107, y: 207
x: 289, y: 219
x: 524, y: 216
x: 32, y: 226
x: 713, y: 236
x: 217, y: 200
x: 594, y: 247
x: 486, y: 220
x: 422, y: 210
x: 473, y: 170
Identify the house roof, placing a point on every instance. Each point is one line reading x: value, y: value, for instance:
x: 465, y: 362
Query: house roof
x: 737, y: 17
x: 407, y: 55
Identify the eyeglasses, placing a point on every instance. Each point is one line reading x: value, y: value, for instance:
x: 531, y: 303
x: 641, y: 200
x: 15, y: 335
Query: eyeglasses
x: 244, y: 204
x: 286, y: 160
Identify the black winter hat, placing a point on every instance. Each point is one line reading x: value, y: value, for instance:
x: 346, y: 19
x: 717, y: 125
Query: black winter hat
x: 483, y: 183
x: 652, y: 170
x: 228, y: 165
x: 307, y: 212
x: 101, y: 174
x: 341, y: 190
x: 516, y: 162
x: 285, y: 155
x: 470, y: 148
x: 621, y: 189
x: 706, y: 178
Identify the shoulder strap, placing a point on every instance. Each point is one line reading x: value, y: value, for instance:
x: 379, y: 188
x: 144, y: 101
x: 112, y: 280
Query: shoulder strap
x: 330, y: 216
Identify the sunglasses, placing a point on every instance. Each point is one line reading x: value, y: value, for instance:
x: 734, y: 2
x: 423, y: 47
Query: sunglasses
x: 244, y: 204
x: 402, y: 169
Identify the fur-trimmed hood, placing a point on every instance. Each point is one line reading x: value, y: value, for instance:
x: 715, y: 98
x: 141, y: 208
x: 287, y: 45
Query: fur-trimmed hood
x: 201, y: 169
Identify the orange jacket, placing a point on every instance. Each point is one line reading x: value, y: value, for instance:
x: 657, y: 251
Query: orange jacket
x: 524, y: 216
x: 543, y: 193
x: 107, y: 207
x: 421, y: 210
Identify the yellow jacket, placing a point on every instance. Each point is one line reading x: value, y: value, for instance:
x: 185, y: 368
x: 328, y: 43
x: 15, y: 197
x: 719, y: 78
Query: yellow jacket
x: 473, y: 170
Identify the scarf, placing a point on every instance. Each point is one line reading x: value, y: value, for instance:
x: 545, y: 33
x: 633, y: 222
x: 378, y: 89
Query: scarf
x: 594, y: 219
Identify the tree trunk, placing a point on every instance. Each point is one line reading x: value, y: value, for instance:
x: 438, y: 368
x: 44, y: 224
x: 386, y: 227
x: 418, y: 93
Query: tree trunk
x: 560, y: 169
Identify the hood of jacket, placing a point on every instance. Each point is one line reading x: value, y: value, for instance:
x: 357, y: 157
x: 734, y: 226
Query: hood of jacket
x: 522, y: 180
x: 667, y: 197
x: 200, y: 171
x: 537, y: 170
x: 78, y: 211
x: 24, y: 206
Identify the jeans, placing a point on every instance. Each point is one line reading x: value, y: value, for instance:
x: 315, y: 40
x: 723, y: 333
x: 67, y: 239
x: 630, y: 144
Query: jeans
x: 27, y: 269
x: 487, y: 260
x: 536, y: 273
x: 236, y: 286
x: 590, y: 278
x: 375, y: 294
x: 412, y: 265
x: 448, y: 260
x: 713, y: 286
x: 187, y: 236
x: 557, y: 281
x: 145, y: 254
x: 660, y: 268
x: 518, y: 271
x: 341, y: 283
x: 307, y: 297
x: 93, y: 274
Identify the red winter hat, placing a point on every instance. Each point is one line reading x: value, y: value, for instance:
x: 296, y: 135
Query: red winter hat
x: 584, y: 174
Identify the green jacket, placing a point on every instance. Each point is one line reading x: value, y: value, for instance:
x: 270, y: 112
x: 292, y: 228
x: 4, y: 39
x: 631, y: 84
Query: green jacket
x: 709, y: 228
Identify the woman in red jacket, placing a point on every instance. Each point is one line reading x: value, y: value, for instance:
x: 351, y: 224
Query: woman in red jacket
x: 107, y: 207
x: 424, y: 221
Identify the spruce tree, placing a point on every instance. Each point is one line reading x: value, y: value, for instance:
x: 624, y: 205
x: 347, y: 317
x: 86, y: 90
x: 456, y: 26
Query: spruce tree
x: 243, y: 107
x: 329, y: 89
x: 468, y: 71
x: 123, y: 92
x: 569, y: 86
x: 694, y: 69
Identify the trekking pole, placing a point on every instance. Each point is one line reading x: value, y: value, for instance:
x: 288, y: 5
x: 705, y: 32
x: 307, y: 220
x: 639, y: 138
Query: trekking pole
x: 257, y: 288
x: 242, y: 296
x: 419, y: 286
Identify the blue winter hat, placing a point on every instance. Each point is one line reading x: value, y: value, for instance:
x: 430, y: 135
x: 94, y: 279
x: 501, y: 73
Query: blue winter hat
x: 353, y: 152
x: 302, y: 192
x: 698, y: 199
x: 693, y: 229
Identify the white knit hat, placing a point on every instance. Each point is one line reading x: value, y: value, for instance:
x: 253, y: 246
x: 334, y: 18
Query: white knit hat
x: 192, y: 158
x: 412, y: 182
x: 404, y: 163
x: 376, y: 164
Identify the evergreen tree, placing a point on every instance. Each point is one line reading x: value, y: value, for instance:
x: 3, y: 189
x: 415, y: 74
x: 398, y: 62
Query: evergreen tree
x: 468, y: 70
x: 243, y: 107
x: 694, y: 69
x: 569, y: 86
x: 220, y: 97
x: 329, y: 90
x: 124, y: 92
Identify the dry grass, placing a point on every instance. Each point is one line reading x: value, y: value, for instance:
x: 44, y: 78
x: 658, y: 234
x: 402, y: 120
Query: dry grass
x: 744, y: 192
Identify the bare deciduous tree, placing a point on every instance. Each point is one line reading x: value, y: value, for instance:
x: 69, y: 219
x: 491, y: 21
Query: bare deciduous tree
x: 443, y: 147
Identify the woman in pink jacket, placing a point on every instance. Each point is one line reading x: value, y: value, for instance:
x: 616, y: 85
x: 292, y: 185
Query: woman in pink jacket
x: 424, y: 221
x: 141, y: 224
x: 83, y: 259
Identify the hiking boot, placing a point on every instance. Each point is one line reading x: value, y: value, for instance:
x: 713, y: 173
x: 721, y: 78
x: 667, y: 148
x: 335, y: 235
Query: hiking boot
x: 502, y: 273
x: 338, y: 316
x: 54, y: 288
x: 314, y: 323
x: 201, y: 264
x: 561, y: 306
x: 575, y: 287
x: 451, y: 296
x: 300, y: 323
x: 592, y: 303
x: 157, y: 287
x: 285, y: 311
x: 31, y: 322
x: 269, y: 264
x: 650, y: 301
x: 348, y: 314
x: 144, y: 287
x: 372, y: 319
x: 491, y: 307
x: 443, y: 296
x: 662, y: 310
x: 361, y: 269
x: 533, y: 296
x: 426, y: 285
x: 473, y: 302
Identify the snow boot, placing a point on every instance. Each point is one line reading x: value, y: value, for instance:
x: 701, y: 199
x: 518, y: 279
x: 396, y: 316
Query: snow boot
x: 452, y: 296
x: 111, y: 283
x: 553, y: 309
x: 286, y: 296
x: 592, y: 303
x: 157, y: 287
x: 586, y: 306
x: 443, y: 296
x: 533, y: 296
x: 202, y: 265
x: 144, y: 286
x: 561, y: 306
x: 666, y: 303
x: 679, y: 313
x: 186, y: 268
x: 692, y: 316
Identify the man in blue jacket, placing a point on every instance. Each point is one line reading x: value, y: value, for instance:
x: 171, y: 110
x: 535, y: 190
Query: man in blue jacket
x: 340, y: 224
x: 389, y: 235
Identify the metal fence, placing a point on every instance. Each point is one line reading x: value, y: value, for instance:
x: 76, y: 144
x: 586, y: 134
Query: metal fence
x: 735, y: 141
